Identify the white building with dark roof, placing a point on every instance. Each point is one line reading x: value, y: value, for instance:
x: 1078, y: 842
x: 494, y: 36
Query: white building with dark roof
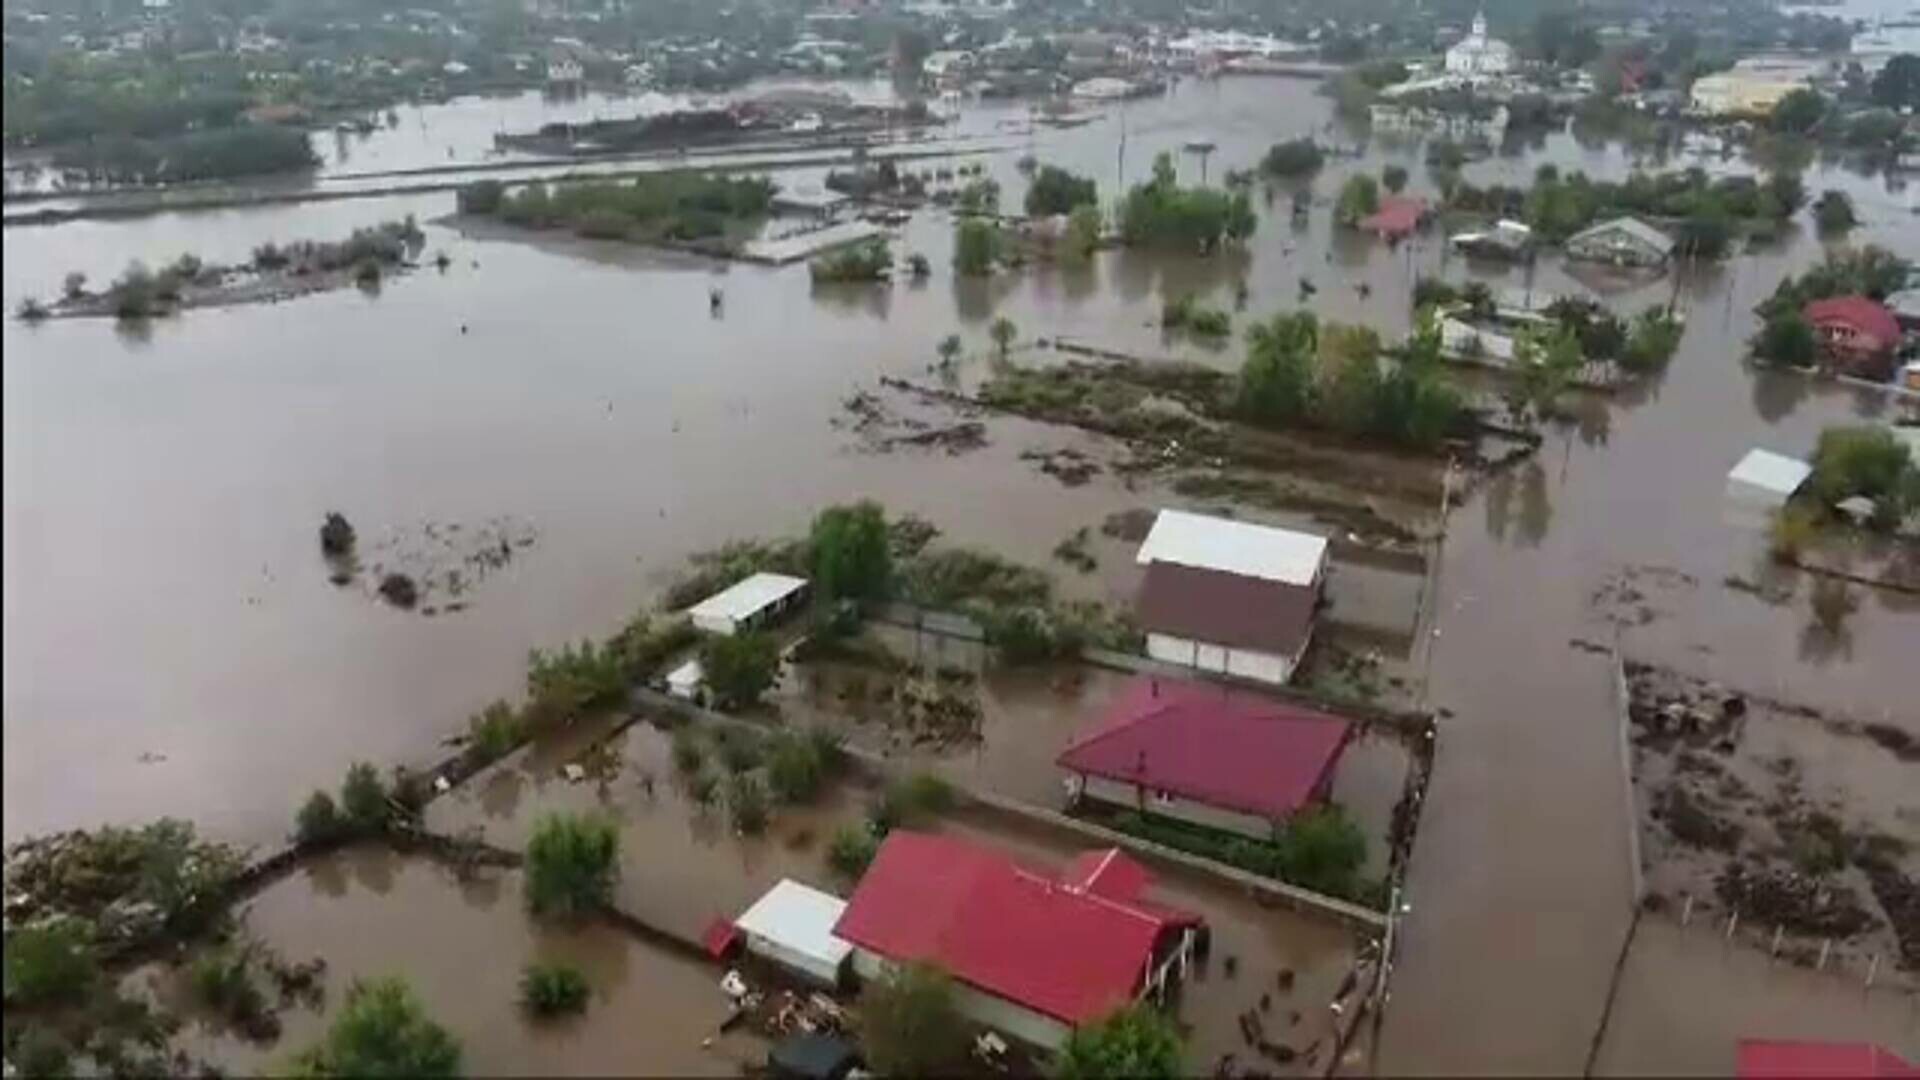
x: 1479, y: 55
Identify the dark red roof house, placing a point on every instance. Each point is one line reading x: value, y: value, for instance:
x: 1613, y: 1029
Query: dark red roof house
x: 1397, y: 218
x: 1770, y: 1059
x: 1207, y: 755
x: 1036, y: 955
x: 1857, y: 335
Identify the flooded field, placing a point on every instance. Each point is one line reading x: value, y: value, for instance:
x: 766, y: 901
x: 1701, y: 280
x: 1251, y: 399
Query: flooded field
x: 173, y: 641
x: 462, y: 945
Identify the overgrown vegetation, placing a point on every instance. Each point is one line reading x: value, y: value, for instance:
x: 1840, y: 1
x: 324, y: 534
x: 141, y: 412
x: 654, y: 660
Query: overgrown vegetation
x: 680, y: 207
x: 573, y: 861
x: 1162, y: 214
x: 910, y: 1023
x: 1296, y: 375
x: 977, y: 247
x: 1136, y: 1041
x: 1868, y: 462
x: 1056, y: 191
x: 548, y: 990
x: 195, y: 155
x: 1319, y: 849
x: 799, y: 764
x: 1293, y: 158
x: 1704, y: 213
x: 739, y: 668
x: 868, y: 260
x: 1184, y: 313
x: 852, y: 850
x: 381, y: 1030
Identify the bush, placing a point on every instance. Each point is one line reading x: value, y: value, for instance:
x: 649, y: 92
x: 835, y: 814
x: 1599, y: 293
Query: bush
x: 494, y: 732
x: 852, y: 850
x: 480, y: 197
x: 1866, y: 461
x: 976, y: 247
x: 135, y: 294
x: 318, y: 821
x: 1359, y: 197
x: 702, y: 788
x: 741, y: 667
x: 1320, y: 849
x: 1056, y: 191
x: 798, y: 764
x: 49, y: 964
x: 1297, y: 157
x: 363, y: 799
x: 910, y: 801
x: 1794, y: 529
x: 1135, y: 1041
x: 868, y: 260
x: 1651, y: 342
x: 30, y: 310
x: 381, y: 1030
x: 1393, y: 178
x: 572, y: 863
x: 222, y: 980
x: 564, y: 684
x: 747, y: 804
x: 910, y: 1024
x: 1083, y: 231
x: 851, y: 555
x: 1786, y: 340
x: 740, y: 749
x: 1834, y: 212
x: 1162, y: 214
x: 688, y: 755
x: 553, y: 989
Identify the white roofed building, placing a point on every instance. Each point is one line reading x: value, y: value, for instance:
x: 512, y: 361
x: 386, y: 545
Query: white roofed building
x: 1229, y: 596
x: 1479, y: 55
x: 792, y: 926
x: 747, y: 603
x: 1761, y: 484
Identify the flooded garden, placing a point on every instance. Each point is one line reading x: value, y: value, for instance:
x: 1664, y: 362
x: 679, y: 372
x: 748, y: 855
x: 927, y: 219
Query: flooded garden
x: 175, y: 641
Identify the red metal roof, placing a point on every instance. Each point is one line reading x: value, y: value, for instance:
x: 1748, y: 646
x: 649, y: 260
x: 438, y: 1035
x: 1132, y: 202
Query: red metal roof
x: 1398, y: 215
x: 1234, y: 750
x: 1771, y: 1058
x: 1060, y: 946
x: 1863, y: 315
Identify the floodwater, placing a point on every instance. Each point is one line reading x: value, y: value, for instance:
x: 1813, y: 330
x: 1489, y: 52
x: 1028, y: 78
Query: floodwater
x: 173, y: 646
x: 461, y: 946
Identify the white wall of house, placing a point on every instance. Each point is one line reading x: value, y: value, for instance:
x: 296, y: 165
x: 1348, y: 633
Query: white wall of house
x: 801, y: 964
x: 1003, y: 1016
x: 1245, y: 663
x: 1121, y: 793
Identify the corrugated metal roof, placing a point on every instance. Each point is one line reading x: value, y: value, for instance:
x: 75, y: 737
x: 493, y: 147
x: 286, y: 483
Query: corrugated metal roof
x: 1768, y: 471
x: 1222, y: 608
x: 1633, y: 227
x: 800, y: 918
x: 1236, y: 547
x: 744, y: 599
x: 1766, y: 1058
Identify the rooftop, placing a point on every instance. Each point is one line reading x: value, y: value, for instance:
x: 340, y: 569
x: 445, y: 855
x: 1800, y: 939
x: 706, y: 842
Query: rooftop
x: 1236, y: 547
x: 1201, y: 742
x: 746, y: 597
x: 1786, y: 1058
x: 1073, y: 947
x: 1858, y: 312
x: 1223, y: 608
x: 1633, y: 227
x: 798, y: 917
x: 1769, y: 471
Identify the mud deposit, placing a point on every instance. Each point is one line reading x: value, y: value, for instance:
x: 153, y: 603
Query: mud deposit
x: 1794, y: 820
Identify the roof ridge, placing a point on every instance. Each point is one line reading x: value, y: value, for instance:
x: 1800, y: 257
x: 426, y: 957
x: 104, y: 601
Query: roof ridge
x: 1115, y: 729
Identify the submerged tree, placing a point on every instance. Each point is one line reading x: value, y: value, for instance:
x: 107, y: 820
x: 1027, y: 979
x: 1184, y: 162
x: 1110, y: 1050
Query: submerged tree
x: 851, y: 557
x: 381, y: 1031
x: 573, y: 861
x: 1135, y: 1042
x: 912, y: 1026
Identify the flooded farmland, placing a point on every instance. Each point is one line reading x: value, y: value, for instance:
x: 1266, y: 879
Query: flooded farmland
x: 173, y: 645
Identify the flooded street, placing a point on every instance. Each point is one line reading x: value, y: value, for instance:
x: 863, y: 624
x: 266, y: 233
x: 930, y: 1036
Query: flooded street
x: 173, y: 645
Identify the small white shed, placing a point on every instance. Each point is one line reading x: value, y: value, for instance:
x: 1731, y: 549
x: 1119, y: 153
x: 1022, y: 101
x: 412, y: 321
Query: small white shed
x: 792, y: 926
x: 684, y: 681
x: 747, y: 603
x: 1761, y: 484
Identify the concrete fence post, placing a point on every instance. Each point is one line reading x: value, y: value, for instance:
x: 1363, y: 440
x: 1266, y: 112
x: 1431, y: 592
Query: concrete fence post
x: 1873, y: 968
x: 1686, y: 913
x: 1733, y: 923
x: 1773, y: 951
x: 1826, y: 949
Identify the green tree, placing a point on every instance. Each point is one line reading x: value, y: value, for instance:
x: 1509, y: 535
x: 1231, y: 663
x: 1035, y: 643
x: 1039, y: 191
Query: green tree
x: 1652, y: 341
x: 976, y: 246
x: 1544, y: 366
x: 1898, y: 84
x: 1786, y: 193
x: 1787, y: 340
x: 1056, y: 191
x: 1323, y: 850
x: 318, y: 820
x: 912, y: 1026
x: 1135, y: 1042
x: 740, y: 667
x: 1276, y: 381
x: 363, y: 799
x: 1863, y: 461
x: 949, y: 350
x: 1083, y: 231
x: 851, y: 556
x: 1834, y: 212
x: 381, y: 1031
x: 1394, y: 178
x: 1003, y: 333
x: 852, y: 850
x: 1359, y: 197
x: 747, y: 804
x: 49, y: 964
x: 572, y: 863
x: 1798, y: 113
x: 1296, y: 157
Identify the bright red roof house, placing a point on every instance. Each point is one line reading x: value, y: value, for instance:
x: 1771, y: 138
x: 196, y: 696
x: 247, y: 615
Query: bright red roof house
x: 1036, y: 955
x: 1768, y: 1059
x: 1858, y: 335
x: 1397, y: 217
x: 1209, y: 755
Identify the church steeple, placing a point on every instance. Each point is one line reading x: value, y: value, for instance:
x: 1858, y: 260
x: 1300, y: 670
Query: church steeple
x: 1480, y: 23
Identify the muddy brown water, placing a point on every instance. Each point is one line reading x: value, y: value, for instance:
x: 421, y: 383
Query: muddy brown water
x: 173, y: 646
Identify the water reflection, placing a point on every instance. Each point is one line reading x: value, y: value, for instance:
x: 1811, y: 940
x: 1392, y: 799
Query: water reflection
x: 1777, y: 394
x: 1827, y: 636
x: 1536, y: 507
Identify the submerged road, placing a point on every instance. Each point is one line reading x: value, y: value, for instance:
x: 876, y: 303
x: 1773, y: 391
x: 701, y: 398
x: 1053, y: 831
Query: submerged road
x: 1520, y: 884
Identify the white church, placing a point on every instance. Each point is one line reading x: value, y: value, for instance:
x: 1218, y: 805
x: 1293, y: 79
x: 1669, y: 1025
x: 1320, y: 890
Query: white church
x: 1478, y: 55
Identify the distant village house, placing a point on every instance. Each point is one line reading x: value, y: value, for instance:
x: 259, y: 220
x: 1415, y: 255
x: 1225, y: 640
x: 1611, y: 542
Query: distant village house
x: 1857, y: 335
x: 1623, y: 241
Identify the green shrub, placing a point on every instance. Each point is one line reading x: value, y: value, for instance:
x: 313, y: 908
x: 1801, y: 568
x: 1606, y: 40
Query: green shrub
x: 910, y: 801
x: 381, y: 1030
x: 740, y: 667
x: 702, y: 788
x: 49, y: 964
x: 494, y: 732
x: 852, y: 850
x: 747, y: 804
x: 222, y: 980
x: 740, y: 748
x: 318, y: 821
x: 688, y: 755
x: 553, y: 989
x: 363, y: 799
x: 1136, y: 1042
x: 572, y: 863
x: 796, y: 767
x: 573, y: 680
